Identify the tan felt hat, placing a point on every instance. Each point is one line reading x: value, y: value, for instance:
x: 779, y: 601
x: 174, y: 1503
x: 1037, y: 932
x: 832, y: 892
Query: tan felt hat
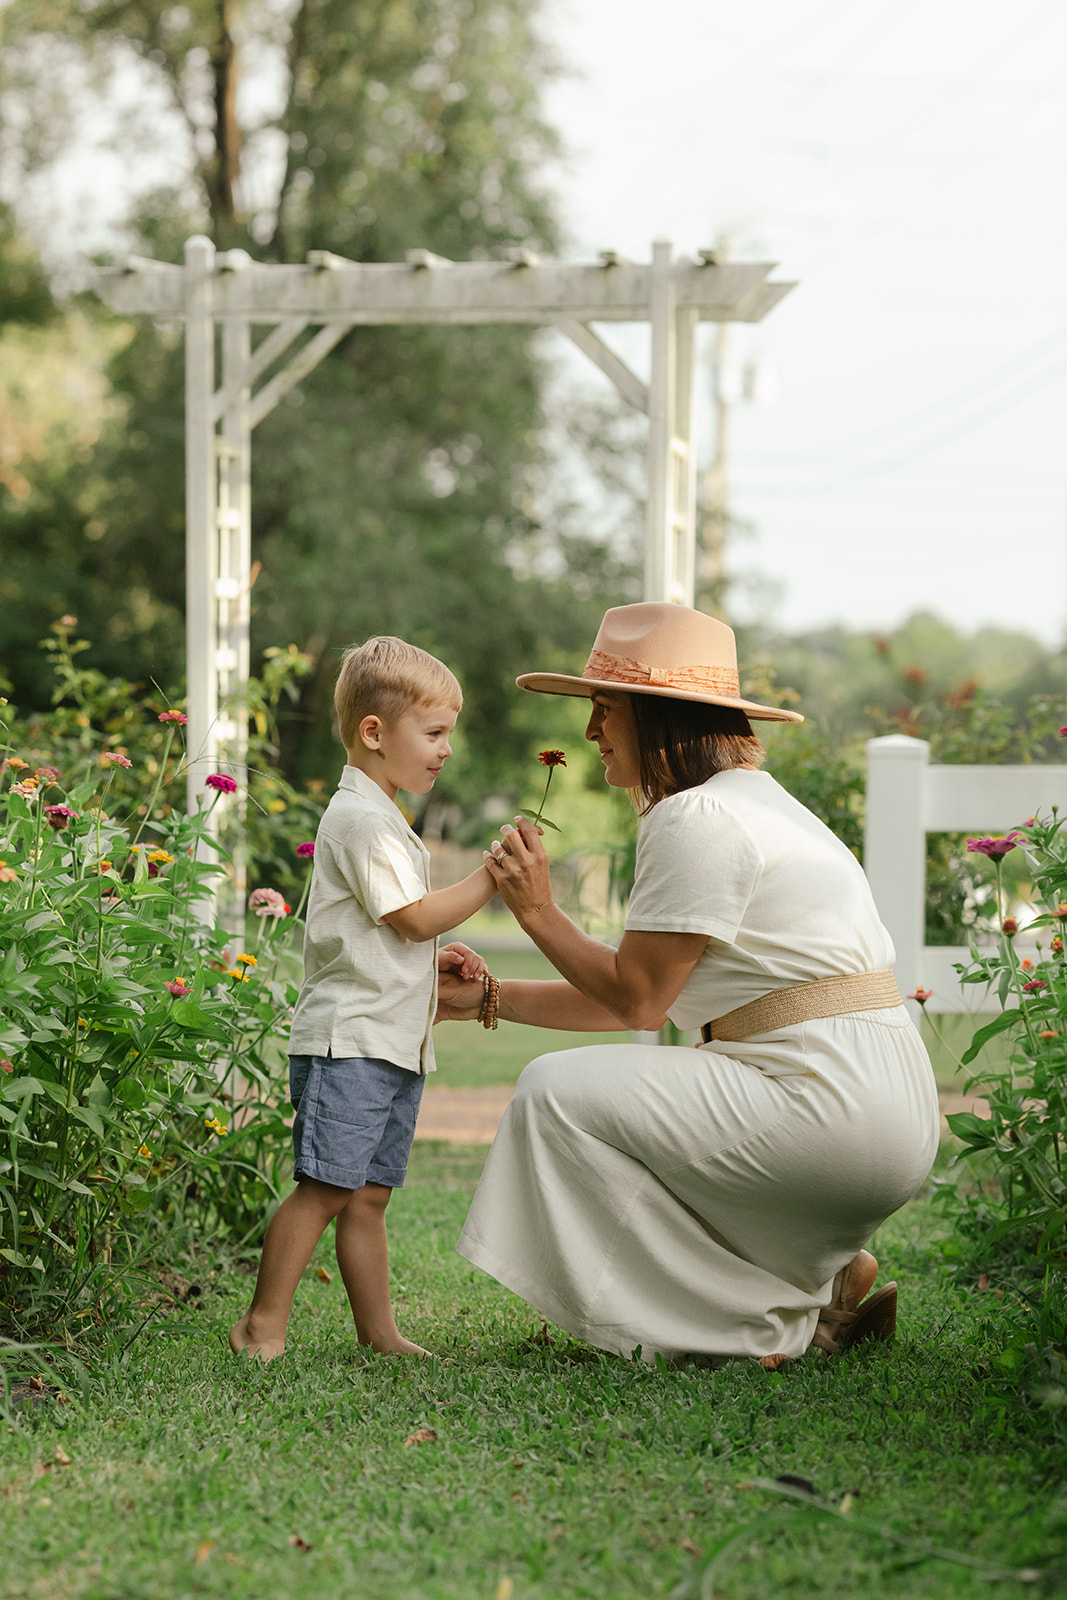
x: 656, y: 648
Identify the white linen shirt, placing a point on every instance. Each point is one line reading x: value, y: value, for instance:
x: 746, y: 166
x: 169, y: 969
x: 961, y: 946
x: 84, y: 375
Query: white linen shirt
x: 367, y: 990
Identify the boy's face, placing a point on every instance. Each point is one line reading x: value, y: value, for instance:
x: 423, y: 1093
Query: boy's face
x: 410, y: 752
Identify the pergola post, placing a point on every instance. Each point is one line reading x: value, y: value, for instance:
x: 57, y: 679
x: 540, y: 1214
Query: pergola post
x: 201, y: 491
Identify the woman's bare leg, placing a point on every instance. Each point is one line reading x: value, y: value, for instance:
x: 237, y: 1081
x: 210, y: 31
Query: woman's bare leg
x: 295, y: 1229
x: 363, y: 1257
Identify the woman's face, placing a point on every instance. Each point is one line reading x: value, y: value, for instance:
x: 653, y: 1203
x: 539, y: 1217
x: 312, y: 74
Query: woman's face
x: 611, y: 727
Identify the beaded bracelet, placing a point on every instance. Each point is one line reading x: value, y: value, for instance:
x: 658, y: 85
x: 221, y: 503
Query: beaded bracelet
x: 487, y: 1016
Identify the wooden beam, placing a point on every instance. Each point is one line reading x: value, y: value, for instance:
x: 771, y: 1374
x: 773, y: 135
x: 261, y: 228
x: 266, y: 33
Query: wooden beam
x: 305, y: 360
x: 464, y: 292
x: 626, y: 381
x: 261, y: 358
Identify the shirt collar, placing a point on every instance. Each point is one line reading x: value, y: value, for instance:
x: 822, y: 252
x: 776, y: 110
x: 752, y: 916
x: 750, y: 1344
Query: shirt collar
x: 356, y: 779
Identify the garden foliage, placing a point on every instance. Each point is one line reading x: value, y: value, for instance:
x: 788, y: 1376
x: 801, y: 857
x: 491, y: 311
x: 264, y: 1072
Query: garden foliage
x: 140, y: 1044
x: 1021, y: 1213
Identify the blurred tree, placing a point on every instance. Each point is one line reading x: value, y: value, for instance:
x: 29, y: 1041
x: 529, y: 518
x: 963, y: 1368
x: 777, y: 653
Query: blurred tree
x: 396, y: 489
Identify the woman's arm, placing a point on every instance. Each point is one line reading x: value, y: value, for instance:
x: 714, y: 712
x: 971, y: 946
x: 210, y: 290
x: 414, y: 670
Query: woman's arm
x: 636, y: 983
x: 550, y: 1004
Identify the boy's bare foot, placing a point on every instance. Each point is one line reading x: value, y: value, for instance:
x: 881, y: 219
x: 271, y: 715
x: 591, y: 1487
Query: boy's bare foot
x: 244, y: 1342
x: 395, y: 1346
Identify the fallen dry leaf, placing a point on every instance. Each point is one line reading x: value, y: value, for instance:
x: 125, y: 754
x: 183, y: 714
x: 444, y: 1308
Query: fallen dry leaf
x: 37, y: 1384
x: 62, y: 1458
x: 298, y: 1543
x: 691, y: 1549
x: 324, y: 1276
x: 420, y: 1436
x: 203, y: 1550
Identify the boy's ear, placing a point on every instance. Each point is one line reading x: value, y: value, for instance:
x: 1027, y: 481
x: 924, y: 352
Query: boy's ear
x: 370, y: 732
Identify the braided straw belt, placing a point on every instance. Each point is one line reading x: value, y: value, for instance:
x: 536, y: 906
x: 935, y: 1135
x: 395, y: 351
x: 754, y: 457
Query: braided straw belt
x: 806, y: 1002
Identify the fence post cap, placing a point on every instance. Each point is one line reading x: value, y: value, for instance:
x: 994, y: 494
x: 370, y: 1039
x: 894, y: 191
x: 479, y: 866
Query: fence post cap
x: 899, y: 747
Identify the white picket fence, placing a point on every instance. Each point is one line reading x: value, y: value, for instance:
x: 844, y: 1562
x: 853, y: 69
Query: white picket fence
x: 907, y: 798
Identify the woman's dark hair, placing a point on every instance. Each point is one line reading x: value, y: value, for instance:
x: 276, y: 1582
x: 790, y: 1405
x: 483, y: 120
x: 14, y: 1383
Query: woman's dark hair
x: 684, y: 742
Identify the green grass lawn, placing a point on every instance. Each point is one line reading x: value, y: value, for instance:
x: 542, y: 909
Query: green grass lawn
x: 552, y: 1472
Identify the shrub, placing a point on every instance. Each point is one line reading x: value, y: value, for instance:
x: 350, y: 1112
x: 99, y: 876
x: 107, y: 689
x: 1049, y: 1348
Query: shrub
x: 140, y: 1047
x: 1022, y: 1215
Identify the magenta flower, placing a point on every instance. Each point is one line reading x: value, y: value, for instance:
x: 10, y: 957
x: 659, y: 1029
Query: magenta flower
x: 994, y: 847
x: 222, y: 782
x: 174, y: 716
x: 307, y: 849
x: 1034, y: 985
x: 267, y: 903
x: 1063, y: 733
x: 113, y: 758
x: 177, y: 988
x: 59, y: 816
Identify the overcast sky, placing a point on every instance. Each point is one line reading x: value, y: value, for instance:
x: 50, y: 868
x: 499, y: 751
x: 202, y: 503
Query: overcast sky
x: 906, y: 162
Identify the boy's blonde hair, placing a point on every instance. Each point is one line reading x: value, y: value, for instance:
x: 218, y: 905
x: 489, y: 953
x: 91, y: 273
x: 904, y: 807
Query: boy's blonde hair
x: 384, y: 677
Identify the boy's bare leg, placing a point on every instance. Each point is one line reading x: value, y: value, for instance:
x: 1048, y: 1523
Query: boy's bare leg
x: 363, y: 1257
x: 295, y: 1229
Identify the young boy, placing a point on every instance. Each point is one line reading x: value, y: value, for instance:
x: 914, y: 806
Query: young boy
x: 360, y: 1044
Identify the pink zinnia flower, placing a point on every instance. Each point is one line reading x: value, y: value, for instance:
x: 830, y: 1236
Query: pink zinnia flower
x: 174, y: 716
x: 921, y: 995
x: 178, y: 988
x: 222, y: 782
x: 267, y: 903
x: 27, y: 789
x: 113, y: 758
x: 59, y: 816
x: 307, y: 849
x: 1034, y: 985
x: 994, y: 847
x: 49, y: 774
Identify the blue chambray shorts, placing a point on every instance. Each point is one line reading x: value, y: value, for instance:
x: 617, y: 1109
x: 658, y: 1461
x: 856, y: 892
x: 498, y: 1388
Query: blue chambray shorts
x: 355, y: 1119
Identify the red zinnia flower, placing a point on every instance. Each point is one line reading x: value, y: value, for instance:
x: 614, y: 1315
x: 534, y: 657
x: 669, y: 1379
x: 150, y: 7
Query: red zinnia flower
x: 552, y: 758
x: 222, y: 782
x: 1009, y: 926
x: 178, y: 988
x: 1034, y: 985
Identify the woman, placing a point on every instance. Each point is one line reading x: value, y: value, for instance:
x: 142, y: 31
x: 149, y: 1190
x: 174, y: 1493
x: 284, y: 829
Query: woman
x: 712, y: 1201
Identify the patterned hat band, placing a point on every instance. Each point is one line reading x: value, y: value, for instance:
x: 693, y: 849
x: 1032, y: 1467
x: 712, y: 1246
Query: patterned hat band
x: 621, y: 669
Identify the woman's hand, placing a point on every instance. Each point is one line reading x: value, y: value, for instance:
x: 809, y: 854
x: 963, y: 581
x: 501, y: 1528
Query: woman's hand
x: 462, y: 959
x: 459, y: 999
x: 518, y: 865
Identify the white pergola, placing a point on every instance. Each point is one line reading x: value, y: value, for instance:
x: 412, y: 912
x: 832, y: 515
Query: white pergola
x: 229, y: 291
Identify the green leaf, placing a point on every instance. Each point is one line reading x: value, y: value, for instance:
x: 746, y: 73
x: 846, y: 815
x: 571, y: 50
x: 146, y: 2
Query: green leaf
x: 972, y: 1129
x: 542, y: 822
x: 186, y: 1015
x: 1006, y: 1019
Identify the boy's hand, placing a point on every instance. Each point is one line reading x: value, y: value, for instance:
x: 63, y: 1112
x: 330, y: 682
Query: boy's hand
x: 461, y: 960
x: 458, y: 999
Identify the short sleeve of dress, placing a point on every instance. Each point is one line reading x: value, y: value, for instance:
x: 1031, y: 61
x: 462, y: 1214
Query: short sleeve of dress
x: 373, y: 859
x: 697, y: 867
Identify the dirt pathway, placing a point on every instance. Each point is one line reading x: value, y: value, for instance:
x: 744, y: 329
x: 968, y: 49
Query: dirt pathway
x: 470, y: 1116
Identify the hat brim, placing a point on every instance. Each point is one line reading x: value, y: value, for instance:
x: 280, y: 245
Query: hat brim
x: 585, y: 688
